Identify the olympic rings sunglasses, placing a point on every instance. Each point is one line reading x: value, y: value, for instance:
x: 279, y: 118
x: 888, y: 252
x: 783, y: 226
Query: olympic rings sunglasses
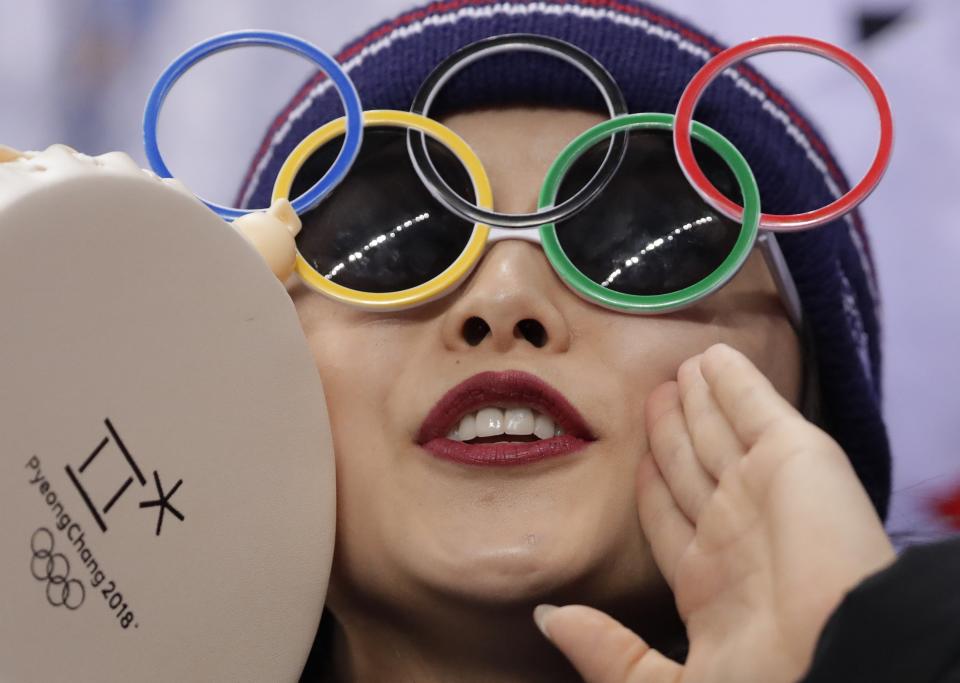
x: 380, y: 240
x: 403, y: 218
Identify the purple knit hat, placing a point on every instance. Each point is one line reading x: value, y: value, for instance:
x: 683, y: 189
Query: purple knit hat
x: 652, y: 56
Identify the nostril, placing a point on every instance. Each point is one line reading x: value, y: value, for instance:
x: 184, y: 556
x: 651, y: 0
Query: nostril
x: 474, y: 330
x: 532, y: 331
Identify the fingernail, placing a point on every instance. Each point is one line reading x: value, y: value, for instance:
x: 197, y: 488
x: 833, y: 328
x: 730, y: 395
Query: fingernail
x: 540, y: 613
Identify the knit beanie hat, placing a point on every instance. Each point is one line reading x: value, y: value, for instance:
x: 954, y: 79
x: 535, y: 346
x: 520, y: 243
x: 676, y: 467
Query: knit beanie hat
x: 652, y: 56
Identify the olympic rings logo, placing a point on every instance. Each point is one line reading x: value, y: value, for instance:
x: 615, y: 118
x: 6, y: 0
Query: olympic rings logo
x: 54, y: 568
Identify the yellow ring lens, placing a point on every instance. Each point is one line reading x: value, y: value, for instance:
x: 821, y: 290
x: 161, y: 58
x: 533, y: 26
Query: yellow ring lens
x: 438, y: 285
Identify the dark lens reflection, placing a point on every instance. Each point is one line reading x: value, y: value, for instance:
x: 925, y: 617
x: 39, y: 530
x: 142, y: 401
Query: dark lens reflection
x: 380, y: 230
x: 648, y: 232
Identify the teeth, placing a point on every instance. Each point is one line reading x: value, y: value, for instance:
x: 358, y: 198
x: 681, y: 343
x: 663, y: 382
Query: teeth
x: 468, y: 427
x: 489, y: 422
x: 494, y: 421
x: 518, y: 421
x: 544, y: 427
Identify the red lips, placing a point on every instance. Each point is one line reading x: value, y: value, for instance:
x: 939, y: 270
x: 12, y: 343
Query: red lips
x: 498, y: 388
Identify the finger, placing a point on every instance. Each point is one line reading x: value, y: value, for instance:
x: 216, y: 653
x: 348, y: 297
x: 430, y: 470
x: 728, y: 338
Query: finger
x: 715, y: 442
x: 745, y: 395
x: 689, y: 483
x: 9, y: 154
x: 601, y: 649
x: 667, y: 529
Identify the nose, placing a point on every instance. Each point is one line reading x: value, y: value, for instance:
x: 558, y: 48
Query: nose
x: 509, y: 303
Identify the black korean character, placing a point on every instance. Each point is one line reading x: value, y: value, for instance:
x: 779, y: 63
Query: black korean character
x: 113, y: 436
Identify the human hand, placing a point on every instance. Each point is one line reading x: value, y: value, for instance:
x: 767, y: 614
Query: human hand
x: 758, y: 523
x: 8, y: 154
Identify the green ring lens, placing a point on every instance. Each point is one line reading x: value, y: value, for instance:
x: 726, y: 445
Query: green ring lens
x: 658, y: 303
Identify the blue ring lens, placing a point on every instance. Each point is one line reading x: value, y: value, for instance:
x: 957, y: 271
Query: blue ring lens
x: 343, y: 84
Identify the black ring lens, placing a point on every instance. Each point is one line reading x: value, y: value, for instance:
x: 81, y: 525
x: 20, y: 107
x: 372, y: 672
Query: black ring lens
x: 591, y: 187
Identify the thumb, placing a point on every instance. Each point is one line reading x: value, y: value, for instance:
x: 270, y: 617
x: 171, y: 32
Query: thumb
x: 601, y: 649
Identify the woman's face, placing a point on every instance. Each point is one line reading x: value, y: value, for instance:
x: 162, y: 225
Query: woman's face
x: 412, y: 526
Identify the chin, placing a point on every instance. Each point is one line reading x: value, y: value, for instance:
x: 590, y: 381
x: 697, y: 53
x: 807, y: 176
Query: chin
x: 510, y: 568
x: 492, y: 536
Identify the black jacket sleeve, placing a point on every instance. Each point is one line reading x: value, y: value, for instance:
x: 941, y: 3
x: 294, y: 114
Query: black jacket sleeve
x: 900, y: 625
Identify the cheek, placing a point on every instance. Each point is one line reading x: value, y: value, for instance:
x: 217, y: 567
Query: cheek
x: 746, y: 314
x: 771, y: 344
x: 642, y: 352
x: 645, y: 351
x: 353, y: 361
x: 778, y: 353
